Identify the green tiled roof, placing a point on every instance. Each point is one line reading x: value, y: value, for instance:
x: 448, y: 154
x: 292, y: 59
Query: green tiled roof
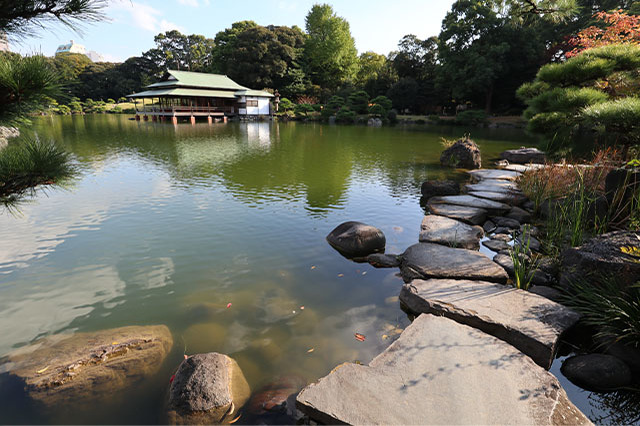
x: 184, y: 92
x: 200, y: 79
x: 249, y: 92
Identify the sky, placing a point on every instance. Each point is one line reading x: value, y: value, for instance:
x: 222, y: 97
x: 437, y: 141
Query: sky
x: 376, y: 25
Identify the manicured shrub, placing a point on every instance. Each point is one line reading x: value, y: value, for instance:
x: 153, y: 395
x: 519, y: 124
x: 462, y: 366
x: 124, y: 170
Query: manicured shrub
x: 471, y: 117
x: 345, y: 115
x: 303, y: 110
x: 358, y: 102
x: 286, y: 105
x: 377, y: 110
x: 383, y: 101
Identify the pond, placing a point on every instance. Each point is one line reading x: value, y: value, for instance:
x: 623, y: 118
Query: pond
x: 169, y: 224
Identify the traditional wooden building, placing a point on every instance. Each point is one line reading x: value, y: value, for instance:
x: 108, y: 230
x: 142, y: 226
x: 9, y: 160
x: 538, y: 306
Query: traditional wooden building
x: 185, y: 94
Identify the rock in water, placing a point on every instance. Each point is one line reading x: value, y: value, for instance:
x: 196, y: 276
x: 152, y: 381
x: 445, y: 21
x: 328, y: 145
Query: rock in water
x: 472, y: 215
x: 524, y: 156
x: 427, y: 260
x: 450, y: 232
x: 463, y: 154
x: 615, y: 254
x: 355, y: 239
x: 207, y: 389
x: 441, y: 372
x: 492, y: 207
x: 272, y: 398
x: 432, y: 188
x: 87, y: 366
x: 531, y: 323
x: 494, y: 174
x: 379, y: 260
x: 597, y: 372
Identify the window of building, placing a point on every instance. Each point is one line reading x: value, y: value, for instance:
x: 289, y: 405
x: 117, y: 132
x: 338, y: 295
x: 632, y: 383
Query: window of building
x: 252, y: 103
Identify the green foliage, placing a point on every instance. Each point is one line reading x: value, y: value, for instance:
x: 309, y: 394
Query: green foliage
x: 587, y: 93
x: 330, y: 52
x: 303, y: 110
x: 111, y: 101
x: 392, y: 116
x: 524, y: 268
x: 178, y: 51
x: 29, y: 163
x: 471, y: 117
x: 377, y: 110
x: 383, y: 101
x: 359, y: 102
x: 286, y: 105
x: 613, y: 311
x: 345, y: 115
x: 25, y: 85
x: 403, y: 94
x: 64, y: 110
x: 376, y: 74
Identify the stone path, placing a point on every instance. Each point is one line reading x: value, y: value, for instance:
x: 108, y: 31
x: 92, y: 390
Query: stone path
x: 529, y: 322
x: 441, y: 372
x: 472, y: 215
x: 492, y: 207
x: 494, y: 174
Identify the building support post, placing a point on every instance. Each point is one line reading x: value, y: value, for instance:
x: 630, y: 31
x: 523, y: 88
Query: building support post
x: 174, y: 120
x: 224, y: 118
x: 210, y: 119
x: 137, y: 117
x: 193, y: 119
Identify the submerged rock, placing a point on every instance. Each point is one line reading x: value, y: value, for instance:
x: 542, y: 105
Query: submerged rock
x: 524, y: 156
x: 615, y: 254
x: 463, y: 154
x: 597, y: 372
x: 207, y: 389
x: 432, y: 188
x: 450, y: 232
x: 529, y: 322
x: 380, y: 260
x: 272, y: 398
x: 354, y: 239
x: 441, y: 372
x: 87, y: 366
x: 427, y: 260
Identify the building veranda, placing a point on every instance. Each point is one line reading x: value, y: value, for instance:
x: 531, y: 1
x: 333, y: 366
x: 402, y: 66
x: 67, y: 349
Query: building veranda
x: 185, y: 94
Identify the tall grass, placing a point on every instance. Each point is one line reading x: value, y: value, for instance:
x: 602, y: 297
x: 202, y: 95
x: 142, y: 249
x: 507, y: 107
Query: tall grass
x: 524, y: 267
x: 30, y: 163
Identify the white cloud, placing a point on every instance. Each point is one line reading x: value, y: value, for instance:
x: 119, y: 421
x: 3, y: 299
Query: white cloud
x: 146, y: 17
x: 192, y: 3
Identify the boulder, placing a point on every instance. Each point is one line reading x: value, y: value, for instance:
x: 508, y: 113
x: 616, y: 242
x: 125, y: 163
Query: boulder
x: 472, y: 215
x: 519, y: 214
x: 533, y: 242
x: 603, y: 256
x: 427, y: 260
x: 495, y: 245
x: 380, y: 260
x: 84, y: 367
x: 207, y: 389
x: 548, y: 292
x: 482, y: 174
x: 463, y: 154
x: 432, y: 188
x: 504, y: 259
x: 597, y: 372
x: 354, y: 239
x: 488, y: 226
x: 450, y: 232
x: 502, y: 197
x: 506, y: 222
x: 531, y: 323
x: 441, y: 372
x: 501, y: 237
x: 524, y: 156
x: 493, y: 207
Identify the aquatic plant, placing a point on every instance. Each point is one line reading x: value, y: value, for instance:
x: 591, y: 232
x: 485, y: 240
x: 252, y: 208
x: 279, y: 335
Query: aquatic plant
x: 524, y: 267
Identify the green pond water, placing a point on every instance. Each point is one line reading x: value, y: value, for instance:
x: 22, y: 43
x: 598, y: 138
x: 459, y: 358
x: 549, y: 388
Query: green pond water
x: 168, y: 224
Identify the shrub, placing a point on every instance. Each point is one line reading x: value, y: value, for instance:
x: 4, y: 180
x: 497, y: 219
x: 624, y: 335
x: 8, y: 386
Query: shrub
x: 471, y: 117
x: 116, y: 110
x: 345, y: 115
x: 303, y: 110
x: 122, y: 99
x: 383, y: 101
x: 433, y: 118
x: 358, y: 102
x: 111, y: 101
x: 286, y: 105
x: 64, y: 110
x: 421, y: 121
x: 377, y: 110
x: 392, y: 116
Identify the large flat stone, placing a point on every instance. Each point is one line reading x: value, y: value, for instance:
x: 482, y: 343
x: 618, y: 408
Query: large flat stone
x: 492, y: 207
x: 494, y: 185
x: 523, y: 168
x: 501, y: 197
x: 531, y: 323
x: 494, y: 174
x: 441, y: 372
x: 427, y: 260
x: 450, y: 232
x: 472, y: 215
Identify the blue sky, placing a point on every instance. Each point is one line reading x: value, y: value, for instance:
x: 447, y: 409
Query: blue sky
x: 375, y: 24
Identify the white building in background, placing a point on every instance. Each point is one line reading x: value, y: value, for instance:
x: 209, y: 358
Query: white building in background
x: 74, y: 47
x: 4, y: 43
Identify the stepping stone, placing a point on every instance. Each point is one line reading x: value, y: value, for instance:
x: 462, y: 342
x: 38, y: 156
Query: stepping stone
x: 523, y: 168
x: 472, y: 215
x: 494, y: 174
x: 531, y: 323
x: 501, y: 197
x: 492, y: 207
x: 427, y: 260
x: 491, y: 184
x: 495, y: 245
x: 450, y: 232
x: 441, y: 372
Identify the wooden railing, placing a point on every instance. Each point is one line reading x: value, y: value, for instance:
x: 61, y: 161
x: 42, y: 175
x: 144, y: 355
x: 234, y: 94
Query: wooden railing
x: 187, y: 109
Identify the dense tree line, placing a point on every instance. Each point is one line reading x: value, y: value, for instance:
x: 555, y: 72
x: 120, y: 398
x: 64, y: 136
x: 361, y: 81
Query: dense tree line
x: 484, y: 52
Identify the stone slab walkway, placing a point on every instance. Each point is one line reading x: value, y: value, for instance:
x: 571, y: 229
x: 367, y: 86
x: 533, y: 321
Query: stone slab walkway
x: 490, y: 206
x: 480, y: 174
x: 441, y: 372
x: 472, y: 215
x: 531, y: 323
x: 451, y: 232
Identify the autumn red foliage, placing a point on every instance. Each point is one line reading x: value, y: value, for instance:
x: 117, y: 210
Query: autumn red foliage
x: 620, y: 28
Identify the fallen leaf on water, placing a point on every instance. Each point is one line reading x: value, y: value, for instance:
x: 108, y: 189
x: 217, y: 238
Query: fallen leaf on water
x: 364, y: 273
x: 341, y: 275
x: 114, y: 343
x: 311, y: 350
x: 228, y: 305
x: 302, y: 308
x: 172, y: 378
x: 313, y: 267
x: 293, y: 312
x: 43, y: 370
x: 385, y: 337
x: 360, y: 337
x: 236, y: 419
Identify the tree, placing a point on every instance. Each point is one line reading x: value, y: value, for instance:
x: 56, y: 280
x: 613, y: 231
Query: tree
x: 403, y: 94
x: 358, y: 102
x: 225, y: 45
x: 330, y: 51
x: 596, y: 90
x: 375, y: 73
x: 620, y: 28
x: 20, y: 18
x: 178, y: 51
